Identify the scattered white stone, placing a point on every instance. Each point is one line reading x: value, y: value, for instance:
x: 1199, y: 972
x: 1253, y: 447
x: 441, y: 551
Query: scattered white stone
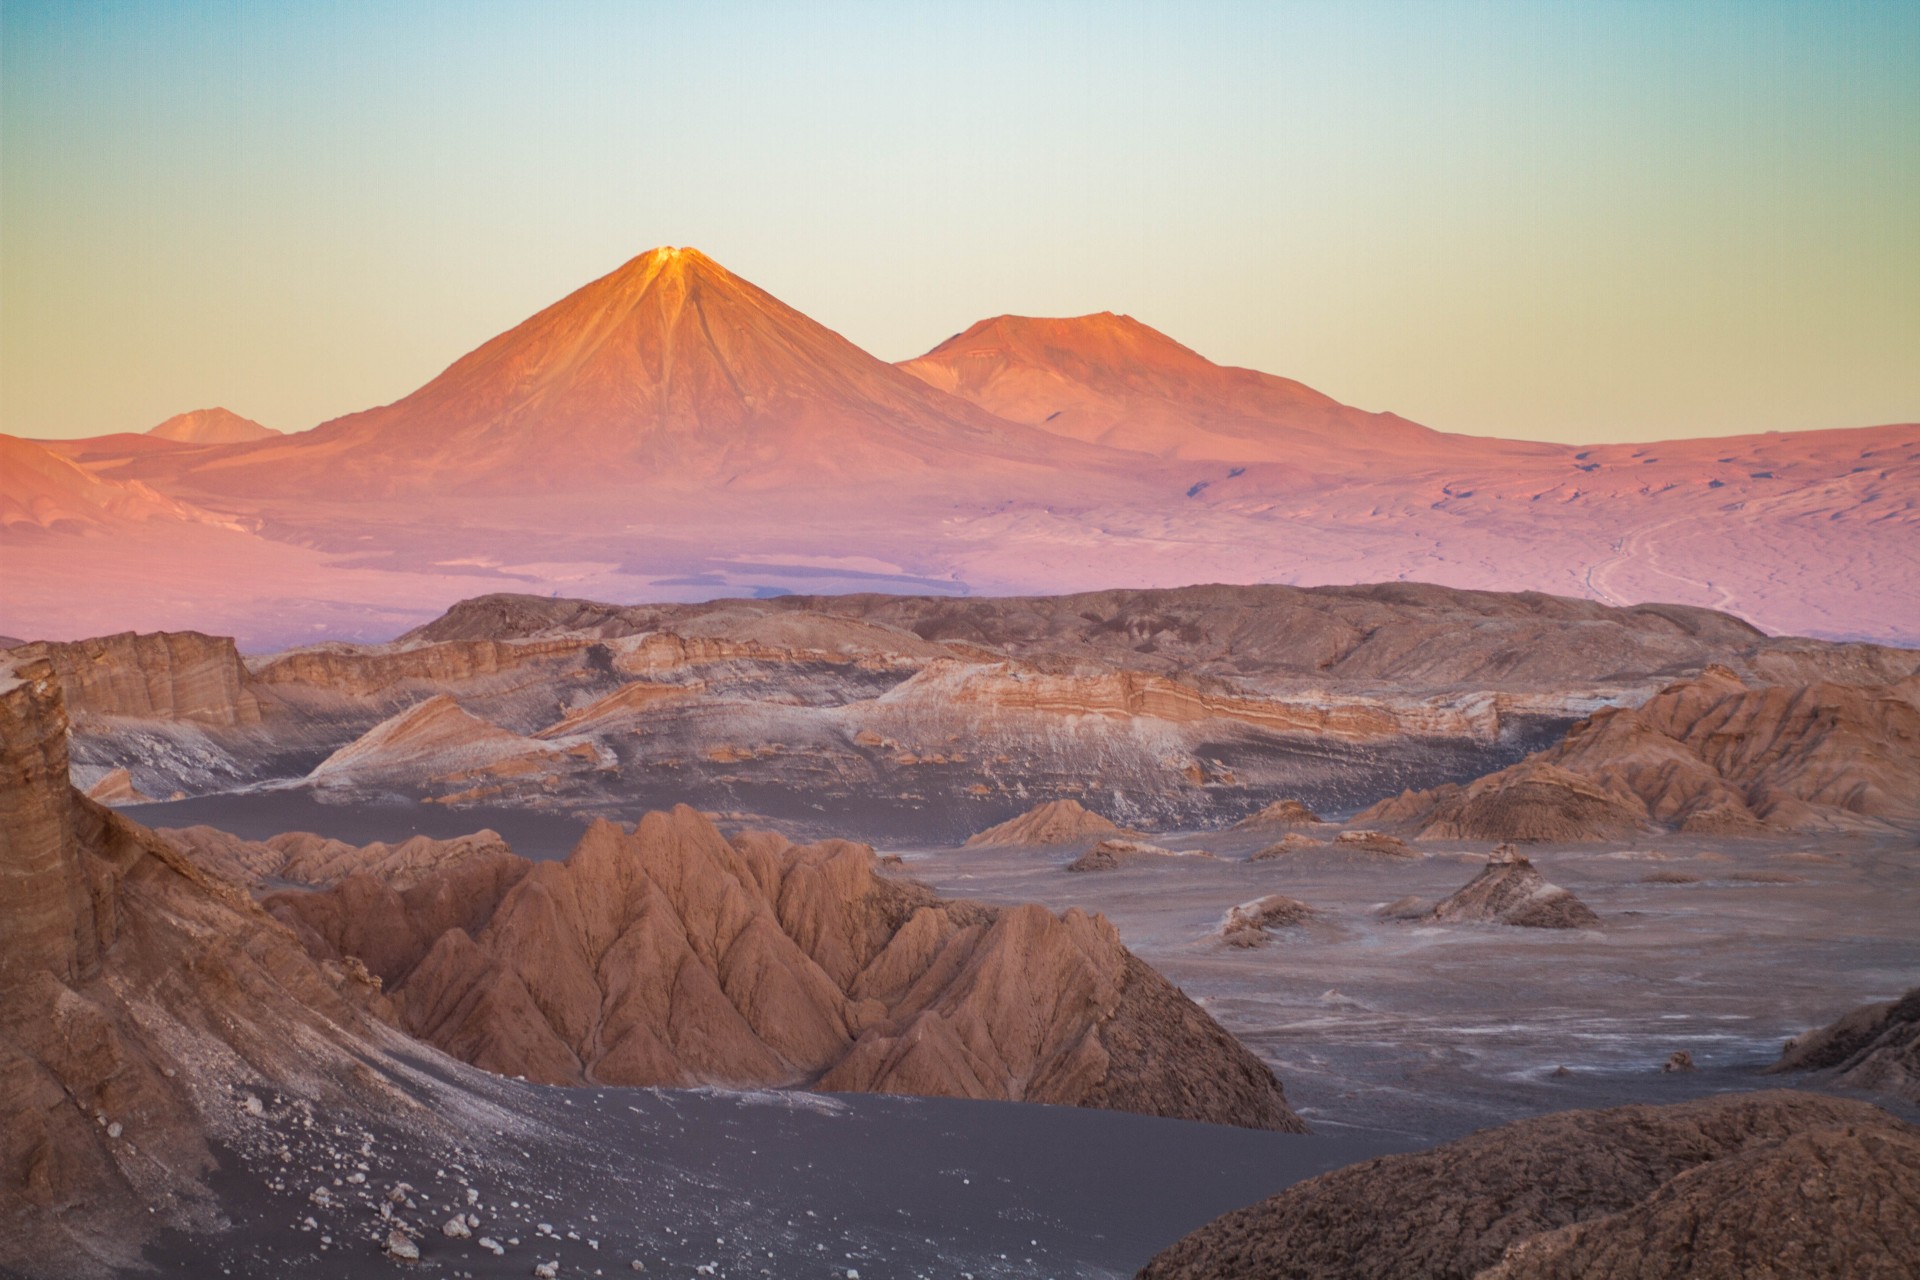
x: 356, y: 1178
x: 456, y: 1228
x: 488, y: 1242
x: 253, y: 1106
x: 638, y: 1265
x: 473, y: 1197
x: 546, y: 1270
x: 398, y: 1246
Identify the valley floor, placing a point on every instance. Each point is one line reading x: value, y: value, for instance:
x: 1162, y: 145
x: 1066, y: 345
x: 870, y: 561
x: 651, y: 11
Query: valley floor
x: 1427, y: 1031
x: 1389, y: 1035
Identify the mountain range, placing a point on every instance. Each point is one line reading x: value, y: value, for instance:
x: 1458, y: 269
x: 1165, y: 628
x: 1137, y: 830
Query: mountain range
x: 672, y: 432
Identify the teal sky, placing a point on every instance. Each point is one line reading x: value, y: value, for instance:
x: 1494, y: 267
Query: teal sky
x: 1561, y: 221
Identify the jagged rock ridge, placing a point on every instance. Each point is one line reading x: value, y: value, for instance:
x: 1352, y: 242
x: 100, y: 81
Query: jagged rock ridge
x: 669, y: 954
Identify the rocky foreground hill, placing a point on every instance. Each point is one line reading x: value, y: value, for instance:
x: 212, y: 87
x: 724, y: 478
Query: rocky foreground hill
x: 1741, y: 1185
x: 936, y: 718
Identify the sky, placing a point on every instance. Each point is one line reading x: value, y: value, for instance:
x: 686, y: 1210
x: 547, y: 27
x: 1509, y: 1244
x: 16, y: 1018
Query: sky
x: 1558, y: 221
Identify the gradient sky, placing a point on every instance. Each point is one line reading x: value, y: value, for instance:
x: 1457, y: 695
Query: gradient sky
x: 1559, y: 221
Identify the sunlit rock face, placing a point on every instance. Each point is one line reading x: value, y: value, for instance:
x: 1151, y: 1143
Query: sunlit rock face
x: 671, y: 955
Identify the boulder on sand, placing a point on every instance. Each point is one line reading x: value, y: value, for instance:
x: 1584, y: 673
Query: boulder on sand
x: 1247, y: 924
x: 1511, y: 890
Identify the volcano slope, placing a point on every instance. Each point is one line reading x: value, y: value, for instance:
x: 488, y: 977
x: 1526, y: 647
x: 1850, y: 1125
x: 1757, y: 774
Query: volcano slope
x: 919, y: 717
x: 1025, y: 456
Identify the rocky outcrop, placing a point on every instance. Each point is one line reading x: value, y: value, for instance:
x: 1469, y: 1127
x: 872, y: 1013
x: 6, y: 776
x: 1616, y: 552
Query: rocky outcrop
x: 1530, y: 802
x: 1246, y: 925
x: 1511, y: 890
x: 135, y: 991
x: 1401, y: 633
x: 1281, y: 813
x: 1110, y: 854
x: 389, y: 903
x: 1373, y: 843
x: 302, y: 858
x: 1875, y: 1048
x: 1286, y: 847
x: 1055, y: 822
x: 162, y: 675
x: 670, y: 955
x: 1714, y: 755
x: 1742, y: 1184
x: 116, y: 787
x: 394, y: 670
x: 439, y: 742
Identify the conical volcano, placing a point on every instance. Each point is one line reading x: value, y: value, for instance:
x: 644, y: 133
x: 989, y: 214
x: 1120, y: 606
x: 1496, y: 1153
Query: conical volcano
x: 1111, y: 380
x: 670, y: 370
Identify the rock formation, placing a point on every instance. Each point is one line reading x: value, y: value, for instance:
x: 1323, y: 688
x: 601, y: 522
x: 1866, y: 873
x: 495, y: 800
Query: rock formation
x: 1534, y: 801
x: 1286, y: 847
x: 1373, y: 843
x: 302, y: 858
x: 1742, y: 1184
x: 1246, y: 925
x: 1511, y: 890
x: 165, y: 675
x: 670, y: 955
x: 1281, y: 813
x: 439, y: 745
x: 1055, y: 822
x: 1109, y: 854
x: 1875, y: 1047
x: 1715, y: 755
x: 116, y: 787
x: 136, y: 991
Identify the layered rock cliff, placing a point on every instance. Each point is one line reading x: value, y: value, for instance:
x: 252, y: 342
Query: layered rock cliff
x: 163, y: 675
x: 136, y: 991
